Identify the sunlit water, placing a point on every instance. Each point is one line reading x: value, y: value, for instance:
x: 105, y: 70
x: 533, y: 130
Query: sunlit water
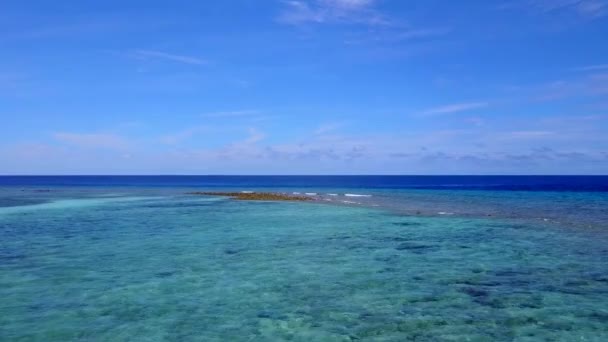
x: 109, y: 265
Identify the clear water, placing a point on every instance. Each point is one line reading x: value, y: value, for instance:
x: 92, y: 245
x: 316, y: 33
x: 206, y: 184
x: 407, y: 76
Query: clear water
x: 150, y: 264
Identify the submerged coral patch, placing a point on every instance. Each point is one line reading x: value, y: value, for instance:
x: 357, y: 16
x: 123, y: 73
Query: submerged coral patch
x: 255, y: 196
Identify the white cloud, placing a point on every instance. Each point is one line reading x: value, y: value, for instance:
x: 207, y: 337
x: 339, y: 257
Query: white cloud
x: 592, y: 8
x: 592, y: 67
x: 421, y: 33
x: 453, y: 108
x: 593, y: 84
x: 398, y: 34
x: 327, y: 128
x: 326, y: 11
x: 93, y: 140
x: 178, y: 137
x: 230, y: 114
x: 527, y: 134
x: 152, y: 54
x: 585, y: 8
x: 255, y: 136
x: 507, y: 149
x: 297, y: 12
x: 347, y: 4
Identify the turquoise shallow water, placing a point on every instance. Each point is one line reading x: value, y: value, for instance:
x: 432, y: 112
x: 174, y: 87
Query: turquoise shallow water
x: 82, y: 265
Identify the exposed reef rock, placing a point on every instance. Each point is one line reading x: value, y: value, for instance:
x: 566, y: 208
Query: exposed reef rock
x: 255, y: 196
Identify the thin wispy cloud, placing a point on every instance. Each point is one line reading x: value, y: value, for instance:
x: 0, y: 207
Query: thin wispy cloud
x: 298, y: 12
x: 342, y: 4
x: 586, y: 8
x: 421, y: 33
x: 232, y: 113
x: 593, y: 8
x: 153, y: 54
x: 586, y: 85
x: 397, y: 34
x: 92, y: 140
x: 328, y: 128
x: 453, y: 108
x: 254, y: 137
x: 528, y: 134
x: 181, y: 136
x: 244, y: 148
x: 592, y: 67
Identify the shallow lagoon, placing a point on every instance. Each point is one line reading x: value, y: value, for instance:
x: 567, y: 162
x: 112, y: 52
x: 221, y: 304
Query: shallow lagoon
x: 171, y: 267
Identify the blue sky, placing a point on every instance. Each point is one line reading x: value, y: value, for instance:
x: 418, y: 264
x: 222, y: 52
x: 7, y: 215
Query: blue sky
x: 304, y: 87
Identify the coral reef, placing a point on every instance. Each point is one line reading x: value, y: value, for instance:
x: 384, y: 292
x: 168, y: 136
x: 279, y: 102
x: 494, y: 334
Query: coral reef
x: 255, y: 196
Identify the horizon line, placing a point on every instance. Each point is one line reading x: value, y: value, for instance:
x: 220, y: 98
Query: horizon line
x: 304, y: 175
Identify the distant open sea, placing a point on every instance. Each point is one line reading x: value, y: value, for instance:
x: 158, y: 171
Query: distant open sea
x: 374, y: 258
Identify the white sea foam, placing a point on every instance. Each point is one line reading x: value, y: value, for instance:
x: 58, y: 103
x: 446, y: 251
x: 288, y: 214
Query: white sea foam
x: 444, y: 213
x: 332, y: 194
x: 356, y: 195
x: 311, y: 193
x: 349, y: 202
x: 296, y: 193
x: 246, y: 192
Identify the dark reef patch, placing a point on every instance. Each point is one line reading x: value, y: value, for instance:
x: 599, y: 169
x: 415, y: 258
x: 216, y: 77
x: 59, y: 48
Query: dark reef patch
x: 407, y: 224
x: 475, y: 292
x: 414, y: 248
x: 255, y: 196
x: 165, y: 274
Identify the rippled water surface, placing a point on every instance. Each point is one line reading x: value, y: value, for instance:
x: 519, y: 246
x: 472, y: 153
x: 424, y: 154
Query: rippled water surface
x: 116, y: 265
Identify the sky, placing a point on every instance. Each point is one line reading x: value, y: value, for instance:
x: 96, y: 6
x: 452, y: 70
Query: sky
x: 304, y: 87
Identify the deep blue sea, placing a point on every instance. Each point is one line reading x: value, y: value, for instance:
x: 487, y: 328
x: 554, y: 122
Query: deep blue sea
x: 374, y: 258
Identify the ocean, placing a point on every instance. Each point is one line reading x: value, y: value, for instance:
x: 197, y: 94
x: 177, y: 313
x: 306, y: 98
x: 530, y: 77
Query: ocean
x: 374, y: 258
